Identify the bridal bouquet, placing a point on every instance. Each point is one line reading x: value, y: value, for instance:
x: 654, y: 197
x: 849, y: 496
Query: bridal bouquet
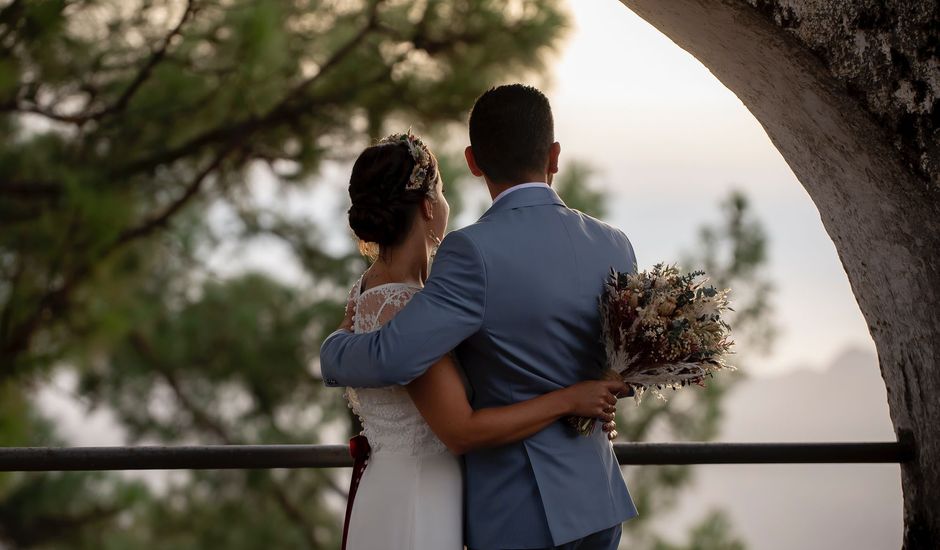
x: 662, y: 329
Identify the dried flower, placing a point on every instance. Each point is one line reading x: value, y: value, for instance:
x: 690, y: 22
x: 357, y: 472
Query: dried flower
x: 662, y: 329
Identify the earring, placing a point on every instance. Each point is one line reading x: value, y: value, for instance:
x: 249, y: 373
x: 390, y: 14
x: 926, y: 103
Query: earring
x: 435, y: 240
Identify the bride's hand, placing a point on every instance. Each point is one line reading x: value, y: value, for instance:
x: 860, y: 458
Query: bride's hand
x: 594, y: 399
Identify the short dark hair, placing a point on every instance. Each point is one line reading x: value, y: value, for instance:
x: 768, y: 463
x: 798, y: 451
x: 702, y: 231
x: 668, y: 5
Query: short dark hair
x: 511, y: 132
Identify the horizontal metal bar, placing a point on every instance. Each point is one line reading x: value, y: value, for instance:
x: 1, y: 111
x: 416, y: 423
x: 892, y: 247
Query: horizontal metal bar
x: 35, y: 459
x: 763, y: 453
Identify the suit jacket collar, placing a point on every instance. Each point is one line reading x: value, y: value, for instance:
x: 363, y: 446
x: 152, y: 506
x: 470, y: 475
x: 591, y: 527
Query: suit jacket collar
x: 533, y: 196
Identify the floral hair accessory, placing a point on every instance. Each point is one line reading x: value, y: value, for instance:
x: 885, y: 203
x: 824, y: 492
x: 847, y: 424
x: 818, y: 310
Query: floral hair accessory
x: 420, y: 154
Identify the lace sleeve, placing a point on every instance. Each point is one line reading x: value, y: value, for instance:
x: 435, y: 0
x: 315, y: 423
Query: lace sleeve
x: 374, y: 308
x: 378, y: 306
x: 394, y: 301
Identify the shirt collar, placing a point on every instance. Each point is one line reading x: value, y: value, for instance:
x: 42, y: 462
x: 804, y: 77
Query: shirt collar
x: 536, y: 195
x: 521, y: 186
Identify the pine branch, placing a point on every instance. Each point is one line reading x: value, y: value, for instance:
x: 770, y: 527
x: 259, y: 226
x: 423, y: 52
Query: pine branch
x: 142, y: 76
x: 9, y: 15
x: 29, y: 188
x: 161, y: 218
x: 147, y: 70
x: 55, y: 301
x: 283, y: 112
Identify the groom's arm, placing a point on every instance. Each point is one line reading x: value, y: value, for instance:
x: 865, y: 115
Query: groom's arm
x: 446, y: 312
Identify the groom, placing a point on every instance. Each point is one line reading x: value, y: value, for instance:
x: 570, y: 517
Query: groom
x: 515, y: 295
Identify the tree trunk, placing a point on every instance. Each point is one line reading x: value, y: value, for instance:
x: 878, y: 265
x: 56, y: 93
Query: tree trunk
x: 881, y: 210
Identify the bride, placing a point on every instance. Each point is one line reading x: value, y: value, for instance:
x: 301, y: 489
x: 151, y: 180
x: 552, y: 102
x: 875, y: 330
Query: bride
x: 411, y: 493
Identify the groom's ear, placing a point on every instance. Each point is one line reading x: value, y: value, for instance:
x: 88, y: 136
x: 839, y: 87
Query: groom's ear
x: 472, y: 162
x: 553, y: 155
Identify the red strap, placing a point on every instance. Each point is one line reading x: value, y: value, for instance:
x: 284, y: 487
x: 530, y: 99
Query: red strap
x: 360, y: 450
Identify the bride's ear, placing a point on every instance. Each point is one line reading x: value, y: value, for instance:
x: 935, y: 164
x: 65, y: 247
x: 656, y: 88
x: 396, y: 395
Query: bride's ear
x: 427, y: 209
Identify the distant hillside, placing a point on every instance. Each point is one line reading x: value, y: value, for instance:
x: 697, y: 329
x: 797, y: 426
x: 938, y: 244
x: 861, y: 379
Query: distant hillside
x: 845, y: 402
x: 806, y: 507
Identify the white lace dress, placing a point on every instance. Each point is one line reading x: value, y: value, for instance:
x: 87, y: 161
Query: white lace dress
x: 411, y: 494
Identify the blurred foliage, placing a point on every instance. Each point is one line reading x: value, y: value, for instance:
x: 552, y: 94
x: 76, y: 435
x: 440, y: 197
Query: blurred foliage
x: 457, y: 182
x: 573, y: 186
x: 712, y: 533
x: 733, y: 254
x: 128, y: 130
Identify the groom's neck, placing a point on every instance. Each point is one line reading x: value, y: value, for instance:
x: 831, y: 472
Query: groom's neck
x: 497, y: 188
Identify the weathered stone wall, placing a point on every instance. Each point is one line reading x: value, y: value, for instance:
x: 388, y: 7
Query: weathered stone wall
x: 886, y: 55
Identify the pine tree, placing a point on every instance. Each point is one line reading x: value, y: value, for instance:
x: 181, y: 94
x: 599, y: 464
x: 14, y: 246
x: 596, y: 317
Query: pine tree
x: 126, y: 129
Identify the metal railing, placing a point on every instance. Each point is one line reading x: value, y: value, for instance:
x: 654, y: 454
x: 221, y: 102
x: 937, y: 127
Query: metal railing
x: 35, y: 459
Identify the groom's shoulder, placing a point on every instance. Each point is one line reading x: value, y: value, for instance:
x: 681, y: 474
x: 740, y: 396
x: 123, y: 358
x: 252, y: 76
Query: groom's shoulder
x: 599, y: 227
x: 471, y: 232
x: 469, y: 239
x: 477, y: 231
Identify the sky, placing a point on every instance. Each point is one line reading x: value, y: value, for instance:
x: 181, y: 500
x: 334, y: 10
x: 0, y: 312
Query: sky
x: 669, y: 142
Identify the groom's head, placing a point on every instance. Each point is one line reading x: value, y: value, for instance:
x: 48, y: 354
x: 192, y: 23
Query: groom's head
x: 512, y: 136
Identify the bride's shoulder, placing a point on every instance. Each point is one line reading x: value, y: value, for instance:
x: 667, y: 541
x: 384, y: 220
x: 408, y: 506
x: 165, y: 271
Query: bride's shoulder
x: 380, y: 303
x: 389, y: 293
x: 401, y: 291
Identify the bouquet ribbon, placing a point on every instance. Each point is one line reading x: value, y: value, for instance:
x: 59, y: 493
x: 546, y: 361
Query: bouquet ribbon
x: 359, y: 449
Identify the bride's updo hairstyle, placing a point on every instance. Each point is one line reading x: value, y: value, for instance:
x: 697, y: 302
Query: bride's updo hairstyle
x: 388, y: 183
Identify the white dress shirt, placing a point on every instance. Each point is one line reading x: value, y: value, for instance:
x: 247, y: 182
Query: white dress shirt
x: 521, y: 186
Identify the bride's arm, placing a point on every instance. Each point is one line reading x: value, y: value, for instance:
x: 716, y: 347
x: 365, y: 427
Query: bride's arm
x: 440, y: 396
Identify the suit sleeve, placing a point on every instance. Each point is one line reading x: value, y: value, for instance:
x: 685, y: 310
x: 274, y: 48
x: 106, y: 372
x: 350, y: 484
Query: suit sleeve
x: 628, y: 248
x: 445, y: 313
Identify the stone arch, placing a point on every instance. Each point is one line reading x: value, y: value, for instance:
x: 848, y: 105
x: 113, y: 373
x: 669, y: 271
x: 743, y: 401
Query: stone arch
x: 849, y: 93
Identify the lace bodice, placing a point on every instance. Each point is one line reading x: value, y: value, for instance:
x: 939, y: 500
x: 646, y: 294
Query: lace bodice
x: 390, y: 420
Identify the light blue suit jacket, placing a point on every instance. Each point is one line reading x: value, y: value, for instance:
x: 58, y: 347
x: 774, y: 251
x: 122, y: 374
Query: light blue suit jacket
x: 516, y: 294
